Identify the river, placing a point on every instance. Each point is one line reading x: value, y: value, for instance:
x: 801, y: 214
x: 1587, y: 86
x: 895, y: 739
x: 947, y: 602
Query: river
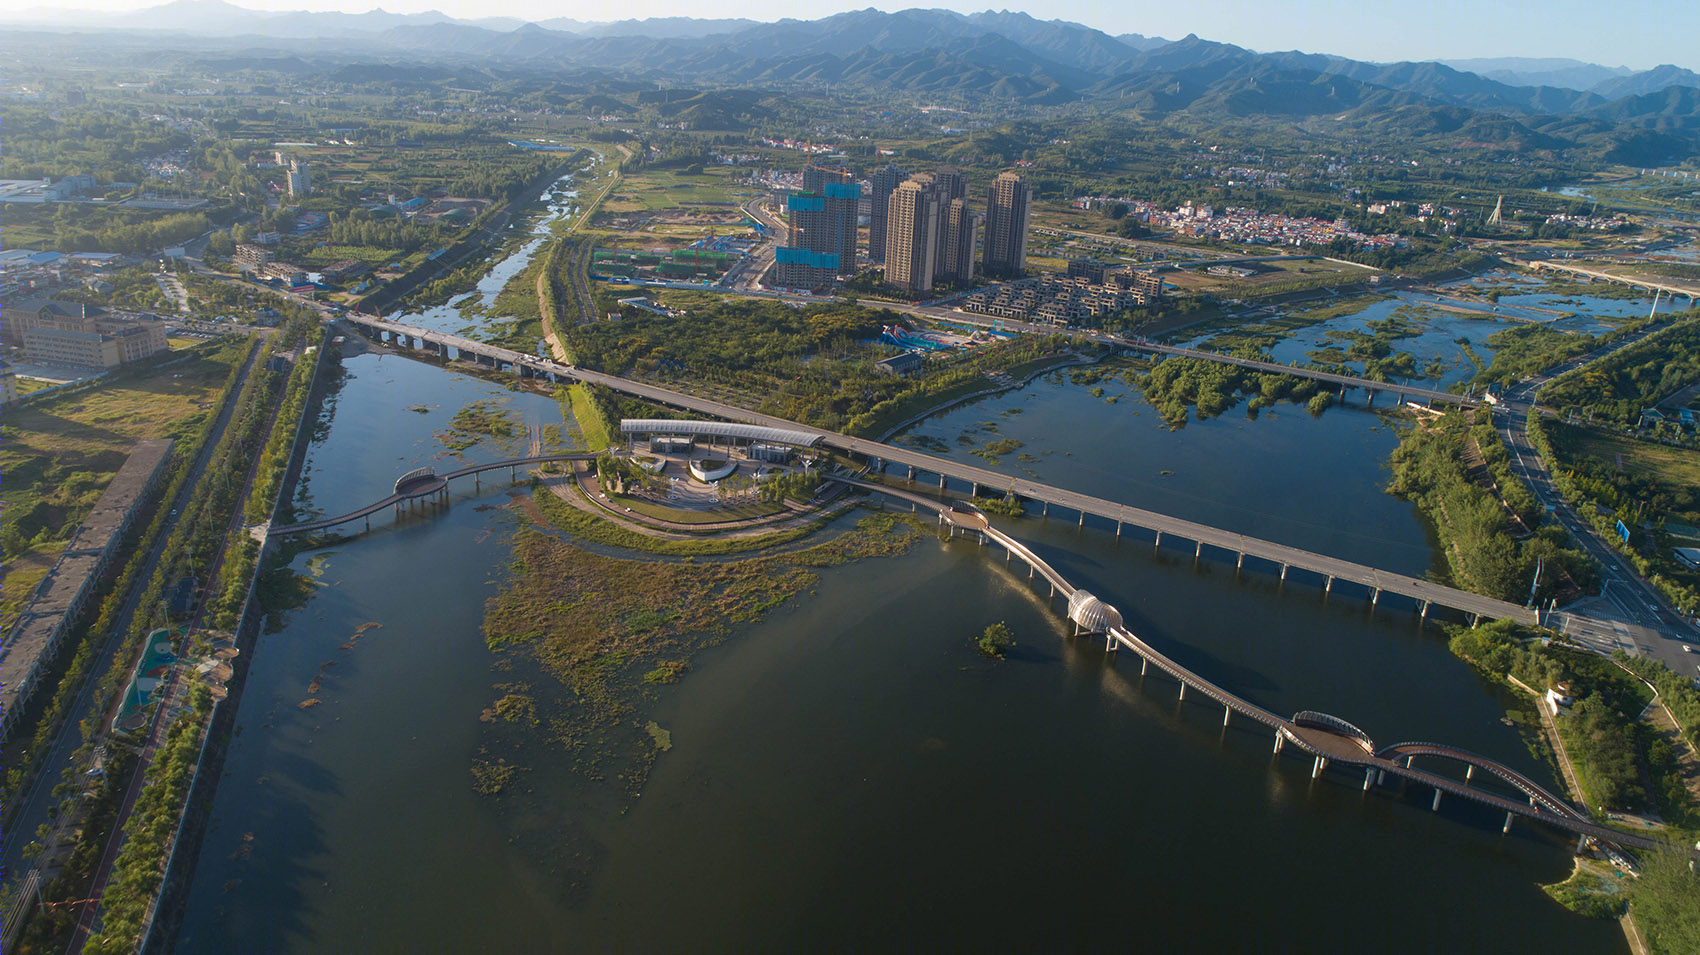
x: 849, y: 772
x: 462, y: 314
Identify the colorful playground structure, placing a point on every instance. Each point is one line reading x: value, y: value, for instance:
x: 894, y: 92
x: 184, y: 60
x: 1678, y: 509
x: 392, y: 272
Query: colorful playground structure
x: 904, y: 338
x: 149, y: 682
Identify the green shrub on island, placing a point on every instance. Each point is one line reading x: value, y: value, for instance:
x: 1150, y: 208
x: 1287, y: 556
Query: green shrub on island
x: 1002, y: 506
x: 996, y: 641
x: 1589, y: 895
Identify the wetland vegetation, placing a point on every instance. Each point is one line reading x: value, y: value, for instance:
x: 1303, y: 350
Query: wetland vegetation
x: 611, y: 629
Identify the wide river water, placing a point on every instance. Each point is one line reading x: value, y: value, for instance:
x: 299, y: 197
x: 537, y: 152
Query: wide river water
x: 849, y: 773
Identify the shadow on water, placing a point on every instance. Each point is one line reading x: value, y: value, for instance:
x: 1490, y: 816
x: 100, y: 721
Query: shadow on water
x: 275, y: 849
x: 851, y: 768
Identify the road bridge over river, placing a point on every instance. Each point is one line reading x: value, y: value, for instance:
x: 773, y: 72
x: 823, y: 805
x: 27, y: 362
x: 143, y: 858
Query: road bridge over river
x: 1280, y: 558
x: 1633, y: 281
x: 1402, y: 392
x: 1329, y: 740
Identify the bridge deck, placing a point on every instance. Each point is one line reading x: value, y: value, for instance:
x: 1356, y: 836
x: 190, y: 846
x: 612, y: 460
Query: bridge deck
x: 1334, y: 746
x: 984, y: 321
x: 1280, y: 554
x: 1637, y: 282
x: 1348, y: 381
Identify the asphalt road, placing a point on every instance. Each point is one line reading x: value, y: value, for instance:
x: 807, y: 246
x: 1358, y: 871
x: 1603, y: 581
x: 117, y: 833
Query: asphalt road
x: 39, y: 798
x: 746, y: 275
x: 1375, y: 580
x: 1628, y: 614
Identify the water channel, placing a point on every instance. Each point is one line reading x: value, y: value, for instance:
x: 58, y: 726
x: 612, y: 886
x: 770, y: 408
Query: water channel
x: 461, y: 316
x: 849, y: 772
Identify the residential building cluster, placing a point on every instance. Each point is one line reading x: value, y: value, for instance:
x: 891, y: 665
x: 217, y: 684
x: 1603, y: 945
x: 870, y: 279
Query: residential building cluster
x: 922, y: 227
x: 1090, y: 290
x: 27, y: 271
x: 1238, y: 224
x: 1247, y: 176
x: 806, y: 146
x: 930, y: 229
x: 1594, y: 223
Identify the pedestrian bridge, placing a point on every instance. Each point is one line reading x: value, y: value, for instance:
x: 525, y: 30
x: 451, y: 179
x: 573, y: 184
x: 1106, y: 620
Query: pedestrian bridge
x: 1328, y: 740
x: 419, y: 484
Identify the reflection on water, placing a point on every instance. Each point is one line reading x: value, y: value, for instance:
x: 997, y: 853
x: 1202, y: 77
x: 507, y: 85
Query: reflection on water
x: 850, y: 769
x: 1445, y: 317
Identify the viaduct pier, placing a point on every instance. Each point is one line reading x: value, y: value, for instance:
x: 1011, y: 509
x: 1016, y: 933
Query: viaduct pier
x: 1329, y: 741
x: 1376, y: 584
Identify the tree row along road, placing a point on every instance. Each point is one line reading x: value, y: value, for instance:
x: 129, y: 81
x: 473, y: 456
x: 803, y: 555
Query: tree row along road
x: 35, y: 803
x: 1377, y: 581
x: 170, y: 695
x: 1636, y: 600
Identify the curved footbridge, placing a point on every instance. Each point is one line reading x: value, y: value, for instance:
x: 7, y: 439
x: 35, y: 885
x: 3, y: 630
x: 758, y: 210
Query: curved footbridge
x: 1329, y: 740
x: 421, y: 484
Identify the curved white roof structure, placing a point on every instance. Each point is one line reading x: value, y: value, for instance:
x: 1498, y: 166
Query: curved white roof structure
x: 1093, y: 615
x: 720, y: 429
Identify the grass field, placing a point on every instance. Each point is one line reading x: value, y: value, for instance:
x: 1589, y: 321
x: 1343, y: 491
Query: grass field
x: 59, y: 456
x: 653, y: 190
x: 1676, y: 467
x: 679, y: 515
x: 592, y: 427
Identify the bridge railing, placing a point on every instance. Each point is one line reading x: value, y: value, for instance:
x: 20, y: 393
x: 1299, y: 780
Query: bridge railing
x: 1335, y: 724
x: 416, y: 474
x: 1528, y: 786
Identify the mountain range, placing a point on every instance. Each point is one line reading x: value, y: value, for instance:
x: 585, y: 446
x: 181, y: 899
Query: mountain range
x: 990, y: 56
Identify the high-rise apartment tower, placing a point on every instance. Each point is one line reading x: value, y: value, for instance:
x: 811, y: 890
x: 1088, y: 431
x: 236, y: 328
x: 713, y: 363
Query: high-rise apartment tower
x: 1006, y: 225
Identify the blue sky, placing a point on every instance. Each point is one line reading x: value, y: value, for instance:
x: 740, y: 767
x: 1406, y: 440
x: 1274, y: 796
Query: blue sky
x: 1636, y: 33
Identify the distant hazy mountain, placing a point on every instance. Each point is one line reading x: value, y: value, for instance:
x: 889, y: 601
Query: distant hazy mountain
x: 219, y: 18
x: 1142, y: 43
x: 1057, y: 40
x: 980, y: 57
x: 1655, y: 80
x: 658, y: 28
x: 1532, y: 71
